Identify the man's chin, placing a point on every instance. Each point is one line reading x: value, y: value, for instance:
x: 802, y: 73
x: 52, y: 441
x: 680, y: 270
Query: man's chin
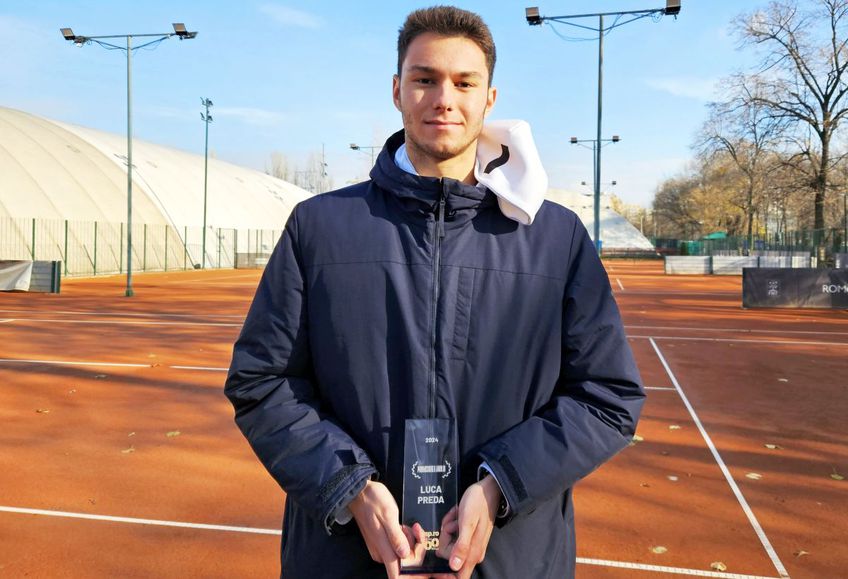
x: 444, y: 151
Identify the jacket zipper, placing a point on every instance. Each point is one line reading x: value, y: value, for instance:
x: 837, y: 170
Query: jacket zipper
x: 437, y: 258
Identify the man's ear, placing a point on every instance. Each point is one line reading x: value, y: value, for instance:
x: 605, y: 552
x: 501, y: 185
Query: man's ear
x: 396, y: 91
x: 490, y: 100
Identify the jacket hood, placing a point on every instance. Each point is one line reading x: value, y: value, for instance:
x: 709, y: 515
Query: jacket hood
x: 507, y: 166
x: 421, y: 194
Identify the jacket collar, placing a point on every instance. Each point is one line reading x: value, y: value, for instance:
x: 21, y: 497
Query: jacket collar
x: 421, y: 194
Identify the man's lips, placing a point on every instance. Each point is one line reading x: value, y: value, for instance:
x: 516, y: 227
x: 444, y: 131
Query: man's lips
x: 443, y: 123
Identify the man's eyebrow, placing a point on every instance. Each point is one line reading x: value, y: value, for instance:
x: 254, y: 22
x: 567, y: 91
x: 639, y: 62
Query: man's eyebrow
x: 431, y: 70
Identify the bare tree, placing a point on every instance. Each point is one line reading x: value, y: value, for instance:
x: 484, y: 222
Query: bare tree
x: 743, y: 130
x: 278, y: 166
x: 802, y: 79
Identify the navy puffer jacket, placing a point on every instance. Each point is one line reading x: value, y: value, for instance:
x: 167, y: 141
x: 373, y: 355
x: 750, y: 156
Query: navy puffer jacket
x: 413, y: 297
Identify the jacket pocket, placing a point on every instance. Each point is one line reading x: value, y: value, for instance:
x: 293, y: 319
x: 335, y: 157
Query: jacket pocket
x: 464, y: 294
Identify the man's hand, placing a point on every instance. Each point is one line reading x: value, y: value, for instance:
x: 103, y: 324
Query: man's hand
x: 376, y: 514
x: 474, y: 521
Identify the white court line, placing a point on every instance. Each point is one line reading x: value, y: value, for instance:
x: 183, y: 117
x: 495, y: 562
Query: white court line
x: 124, y: 314
x: 202, y: 368
x: 663, y: 569
x: 135, y: 521
x: 7, y: 320
x: 71, y: 363
x: 277, y: 532
x: 738, y: 340
x: 659, y: 388
x: 620, y: 284
x: 128, y: 322
x: 740, y: 330
x: 108, y: 364
x: 781, y: 570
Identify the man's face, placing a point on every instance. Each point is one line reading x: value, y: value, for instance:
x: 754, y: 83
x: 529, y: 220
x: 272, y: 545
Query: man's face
x: 443, y: 95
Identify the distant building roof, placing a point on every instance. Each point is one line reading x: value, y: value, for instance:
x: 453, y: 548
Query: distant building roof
x: 54, y: 170
x: 616, y: 231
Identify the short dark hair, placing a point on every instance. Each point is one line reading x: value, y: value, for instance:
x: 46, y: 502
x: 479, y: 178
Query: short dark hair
x: 451, y: 22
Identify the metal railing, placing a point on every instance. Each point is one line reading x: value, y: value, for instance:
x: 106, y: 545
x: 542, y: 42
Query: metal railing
x: 88, y: 248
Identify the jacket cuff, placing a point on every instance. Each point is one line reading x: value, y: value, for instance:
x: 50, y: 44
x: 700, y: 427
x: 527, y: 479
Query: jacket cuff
x: 503, y: 508
x: 512, y: 486
x: 340, y: 491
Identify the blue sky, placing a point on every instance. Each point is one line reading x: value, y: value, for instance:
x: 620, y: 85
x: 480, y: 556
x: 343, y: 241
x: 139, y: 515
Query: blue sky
x: 291, y: 76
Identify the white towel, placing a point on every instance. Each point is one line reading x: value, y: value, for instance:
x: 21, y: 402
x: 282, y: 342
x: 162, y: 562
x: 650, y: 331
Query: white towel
x: 508, y: 164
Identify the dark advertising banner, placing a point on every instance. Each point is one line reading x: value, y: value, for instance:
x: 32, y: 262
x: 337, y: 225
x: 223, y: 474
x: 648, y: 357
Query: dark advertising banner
x: 794, y: 288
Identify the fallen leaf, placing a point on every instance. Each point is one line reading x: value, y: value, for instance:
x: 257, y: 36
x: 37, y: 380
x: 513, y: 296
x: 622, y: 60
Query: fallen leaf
x: 718, y: 566
x: 801, y: 553
x: 644, y: 485
x: 837, y: 476
x: 92, y: 501
x: 72, y: 391
x: 173, y: 433
x: 131, y: 434
x: 782, y: 380
x: 672, y: 478
x: 659, y: 549
x: 128, y: 450
x: 664, y: 452
x: 155, y: 365
x: 100, y: 376
x: 773, y: 446
x: 754, y: 476
x: 674, y: 427
x: 42, y: 411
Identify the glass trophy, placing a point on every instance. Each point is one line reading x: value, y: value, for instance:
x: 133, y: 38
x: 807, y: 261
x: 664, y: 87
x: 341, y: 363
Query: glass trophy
x: 431, y: 472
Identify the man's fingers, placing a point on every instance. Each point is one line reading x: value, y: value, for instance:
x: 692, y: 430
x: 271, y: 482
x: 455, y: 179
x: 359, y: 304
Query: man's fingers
x: 393, y: 569
x: 397, y: 540
x: 459, y: 553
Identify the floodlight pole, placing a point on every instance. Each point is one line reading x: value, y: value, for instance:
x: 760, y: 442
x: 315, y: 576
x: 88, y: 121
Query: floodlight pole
x: 207, y: 118
x: 129, y: 291
x: 182, y: 33
x: 535, y: 19
x: 371, y: 149
x: 596, y: 171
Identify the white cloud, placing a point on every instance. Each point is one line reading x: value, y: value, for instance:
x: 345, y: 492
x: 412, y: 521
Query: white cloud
x: 291, y: 16
x: 698, y: 88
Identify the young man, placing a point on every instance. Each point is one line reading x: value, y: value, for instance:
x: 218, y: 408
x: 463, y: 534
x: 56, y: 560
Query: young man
x: 441, y: 288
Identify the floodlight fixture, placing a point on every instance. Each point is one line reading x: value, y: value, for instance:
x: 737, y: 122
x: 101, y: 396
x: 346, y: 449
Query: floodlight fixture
x: 180, y: 30
x: 68, y: 33
x: 532, y: 15
x: 354, y: 146
x: 573, y: 140
x: 672, y: 7
x: 615, y: 138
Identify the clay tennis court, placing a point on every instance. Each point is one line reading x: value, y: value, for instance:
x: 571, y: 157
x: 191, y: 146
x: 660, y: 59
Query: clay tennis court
x: 120, y: 457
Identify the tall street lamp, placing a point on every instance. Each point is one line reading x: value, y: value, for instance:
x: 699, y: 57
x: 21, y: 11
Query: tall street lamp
x: 672, y: 8
x: 183, y: 34
x: 206, y: 118
x: 370, y: 148
x: 596, y: 171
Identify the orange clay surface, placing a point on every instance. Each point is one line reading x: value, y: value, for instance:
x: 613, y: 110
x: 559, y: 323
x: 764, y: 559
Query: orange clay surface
x: 113, y: 407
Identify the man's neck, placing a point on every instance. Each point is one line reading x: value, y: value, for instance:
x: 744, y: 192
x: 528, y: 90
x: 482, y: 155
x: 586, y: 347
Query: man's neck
x: 460, y: 167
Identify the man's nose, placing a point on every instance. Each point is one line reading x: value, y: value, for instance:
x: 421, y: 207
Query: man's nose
x: 444, y: 97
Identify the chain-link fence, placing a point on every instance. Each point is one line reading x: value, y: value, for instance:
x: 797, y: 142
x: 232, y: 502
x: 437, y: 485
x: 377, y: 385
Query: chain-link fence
x: 811, y: 242
x: 88, y: 248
